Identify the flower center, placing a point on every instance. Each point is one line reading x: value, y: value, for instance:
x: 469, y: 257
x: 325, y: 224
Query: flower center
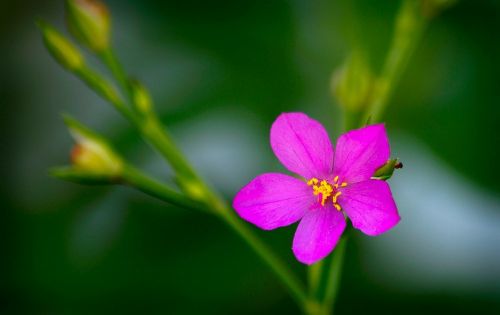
x: 325, y: 190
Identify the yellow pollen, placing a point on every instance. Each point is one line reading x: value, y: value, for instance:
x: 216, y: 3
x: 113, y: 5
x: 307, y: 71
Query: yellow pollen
x: 336, y: 196
x: 312, y: 181
x: 326, y: 190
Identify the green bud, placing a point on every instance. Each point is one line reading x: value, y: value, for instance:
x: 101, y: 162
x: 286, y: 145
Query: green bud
x: 193, y: 189
x: 60, y: 47
x: 89, y: 22
x: 142, y: 99
x: 385, y: 171
x: 352, y: 84
x: 91, y: 153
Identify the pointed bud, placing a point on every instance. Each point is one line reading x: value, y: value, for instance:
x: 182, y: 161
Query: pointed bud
x: 89, y: 22
x: 193, y: 189
x: 142, y: 99
x: 385, y: 171
x: 61, y: 48
x: 91, y: 153
x: 352, y: 84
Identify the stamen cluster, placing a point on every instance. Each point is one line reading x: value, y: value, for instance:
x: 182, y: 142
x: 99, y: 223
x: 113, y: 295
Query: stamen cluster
x: 325, y: 190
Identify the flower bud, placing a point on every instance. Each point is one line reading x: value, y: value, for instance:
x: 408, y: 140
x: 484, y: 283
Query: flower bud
x: 193, y: 189
x: 142, y: 99
x: 91, y: 153
x: 61, y: 48
x: 89, y: 22
x: 352, y: 84
x: 385, y: 171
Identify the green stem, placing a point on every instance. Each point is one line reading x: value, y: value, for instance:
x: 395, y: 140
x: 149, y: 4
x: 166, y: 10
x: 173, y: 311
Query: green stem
x: 111, y: 61
x: 189, y: 181
x: 409, y: 27
x: 104, y: 89
x: 314, y: 273
x: 333, y: 276
x: 135, y: 178
x: 151, y: 128
x: 277, y: 265
x: 159, y: 138
x: 153, y: 132
x: 140, y: 181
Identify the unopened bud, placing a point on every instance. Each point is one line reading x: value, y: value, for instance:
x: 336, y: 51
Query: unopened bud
x: 89, y: 22
x: 61, y: 48
x: 91, y: 153
x: 142, y: 99
x: 193, y: 189
x: 385, y: 171
x: 352, y: 84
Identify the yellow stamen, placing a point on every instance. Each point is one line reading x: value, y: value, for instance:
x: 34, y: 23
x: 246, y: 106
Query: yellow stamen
x: 326, y: 190
x: 323, y: 188
x: 312, y: 181
x: 334, y: 198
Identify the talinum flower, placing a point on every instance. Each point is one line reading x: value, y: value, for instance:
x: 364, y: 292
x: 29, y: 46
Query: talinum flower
x: 335, y: 183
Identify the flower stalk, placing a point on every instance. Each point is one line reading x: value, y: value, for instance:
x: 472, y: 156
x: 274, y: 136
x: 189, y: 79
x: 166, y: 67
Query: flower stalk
x: 314, y: 279
x: 195, y: 193
x: 408, y: 29
x: 411, y: 22
x: 135, y: 178
x: 352, y: 86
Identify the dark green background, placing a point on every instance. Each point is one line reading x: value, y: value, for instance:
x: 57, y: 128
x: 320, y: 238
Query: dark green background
x: 220, y: 72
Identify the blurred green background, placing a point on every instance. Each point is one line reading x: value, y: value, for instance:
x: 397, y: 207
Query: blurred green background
x: 220, y: 72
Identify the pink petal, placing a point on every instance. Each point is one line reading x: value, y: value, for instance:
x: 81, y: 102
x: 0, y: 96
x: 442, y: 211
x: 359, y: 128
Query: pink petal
x: 317, y: 234
x: 302, y: 145
x: 370, y: 206
x: 360, y: 152
x: 273, y: 200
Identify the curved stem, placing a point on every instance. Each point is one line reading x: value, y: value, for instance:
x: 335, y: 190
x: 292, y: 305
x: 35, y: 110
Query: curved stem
x: 277, y: 265
x: 195, y: 188
x: 135, y: 178
x: 150, y: 127
x: 156, y: 135
x: 104, y: 89
x: 142, y: 182
x: 409, y: 27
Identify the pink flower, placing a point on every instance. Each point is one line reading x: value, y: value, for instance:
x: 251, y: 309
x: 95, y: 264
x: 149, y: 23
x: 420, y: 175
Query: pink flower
x: 334, y: 182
